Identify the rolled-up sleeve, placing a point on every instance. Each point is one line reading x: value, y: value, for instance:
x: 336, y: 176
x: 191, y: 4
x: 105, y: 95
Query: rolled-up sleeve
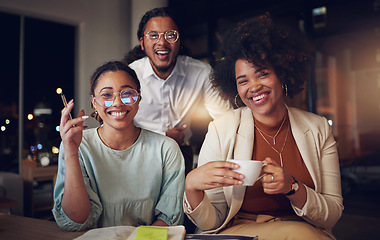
x: 61, y: 218
x: 169, y: 205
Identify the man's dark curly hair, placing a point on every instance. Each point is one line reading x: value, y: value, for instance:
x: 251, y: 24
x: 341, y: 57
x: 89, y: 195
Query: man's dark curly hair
x: 111, y: 66
x: 263, y: 44
x: 156, y: 12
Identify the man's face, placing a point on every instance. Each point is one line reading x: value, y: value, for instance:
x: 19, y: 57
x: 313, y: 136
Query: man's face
x: 162, y: 55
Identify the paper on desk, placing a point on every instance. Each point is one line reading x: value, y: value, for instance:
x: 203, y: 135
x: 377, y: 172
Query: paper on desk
x: 128, y: 233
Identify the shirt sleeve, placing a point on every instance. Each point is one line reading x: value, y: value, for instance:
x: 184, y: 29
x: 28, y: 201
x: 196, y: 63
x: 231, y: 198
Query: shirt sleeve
x: 212, y: 211
x: 60, y: 216
x: 169, y: 206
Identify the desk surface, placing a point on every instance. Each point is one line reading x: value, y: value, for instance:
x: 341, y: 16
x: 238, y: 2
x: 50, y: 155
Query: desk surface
x: 17, y: 227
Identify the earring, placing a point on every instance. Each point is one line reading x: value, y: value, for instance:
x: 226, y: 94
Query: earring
x: 94, y: 114
x: 236, y: 100
x: 285, y: 87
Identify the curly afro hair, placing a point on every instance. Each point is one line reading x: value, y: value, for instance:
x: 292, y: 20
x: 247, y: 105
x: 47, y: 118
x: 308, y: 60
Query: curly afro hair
x: 263, y: 44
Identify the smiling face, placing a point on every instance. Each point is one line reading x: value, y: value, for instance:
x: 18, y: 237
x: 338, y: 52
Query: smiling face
x: 118, y: 115
x: 162, y: 55
x: 260, y: 90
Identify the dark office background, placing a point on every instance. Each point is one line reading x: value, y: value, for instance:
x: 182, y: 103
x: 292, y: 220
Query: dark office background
x: 345, y: 83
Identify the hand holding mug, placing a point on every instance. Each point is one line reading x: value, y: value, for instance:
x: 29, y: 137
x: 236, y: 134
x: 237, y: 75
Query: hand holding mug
x: 212, y: 175
x: 277, y: 179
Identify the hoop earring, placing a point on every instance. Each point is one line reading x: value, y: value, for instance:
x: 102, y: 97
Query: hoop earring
x: 285, y: 88
x: 236, y: 100
x: 96, y: 116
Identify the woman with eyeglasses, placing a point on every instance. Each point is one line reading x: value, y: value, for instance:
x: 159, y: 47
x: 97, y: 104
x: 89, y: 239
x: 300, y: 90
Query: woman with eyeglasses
x: 117, y: 173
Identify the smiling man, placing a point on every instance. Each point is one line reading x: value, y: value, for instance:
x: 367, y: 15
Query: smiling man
x: 172, y: 85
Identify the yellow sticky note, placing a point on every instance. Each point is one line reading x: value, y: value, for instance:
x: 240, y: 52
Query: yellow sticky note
x: 151, y: 233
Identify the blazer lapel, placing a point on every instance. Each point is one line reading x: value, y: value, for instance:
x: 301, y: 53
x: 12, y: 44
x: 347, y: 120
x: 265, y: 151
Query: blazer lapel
x: 244, y: 137
x: 306, y: 145
x: 243, y: 151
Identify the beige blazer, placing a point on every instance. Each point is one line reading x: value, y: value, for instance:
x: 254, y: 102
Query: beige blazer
x: 231, y: 137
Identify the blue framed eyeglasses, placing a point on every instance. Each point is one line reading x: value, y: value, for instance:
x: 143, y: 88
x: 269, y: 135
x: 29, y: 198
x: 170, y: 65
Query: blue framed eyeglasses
x: 127, y: 96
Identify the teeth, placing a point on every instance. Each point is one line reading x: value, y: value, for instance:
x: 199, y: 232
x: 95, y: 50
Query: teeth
x: 259, y: 97
x: 118, y: 114
x: 162, y: 52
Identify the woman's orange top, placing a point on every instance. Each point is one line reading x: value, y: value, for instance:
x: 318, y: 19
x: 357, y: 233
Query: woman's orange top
x: 255, y: 200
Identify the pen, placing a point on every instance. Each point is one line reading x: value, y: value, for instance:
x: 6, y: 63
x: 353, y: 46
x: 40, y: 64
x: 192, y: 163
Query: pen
x: 65, y: 103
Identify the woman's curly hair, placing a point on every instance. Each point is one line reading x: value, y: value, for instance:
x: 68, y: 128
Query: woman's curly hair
x: 263, y: 44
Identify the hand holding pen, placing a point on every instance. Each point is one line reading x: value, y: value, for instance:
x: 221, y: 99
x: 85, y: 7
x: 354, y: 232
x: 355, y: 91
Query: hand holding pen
x: 71, y: 129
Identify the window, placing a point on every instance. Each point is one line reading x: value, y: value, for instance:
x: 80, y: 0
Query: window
x: 47, y: 63
x: 9, y: 65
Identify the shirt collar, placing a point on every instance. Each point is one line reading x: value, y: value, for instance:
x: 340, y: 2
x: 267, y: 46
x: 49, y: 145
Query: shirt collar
x: 148, y: 70
x: 179, y: 67
x: 177, y: 70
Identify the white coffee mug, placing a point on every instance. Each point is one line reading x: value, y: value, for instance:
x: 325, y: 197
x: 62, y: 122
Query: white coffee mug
x: 250, y: 169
